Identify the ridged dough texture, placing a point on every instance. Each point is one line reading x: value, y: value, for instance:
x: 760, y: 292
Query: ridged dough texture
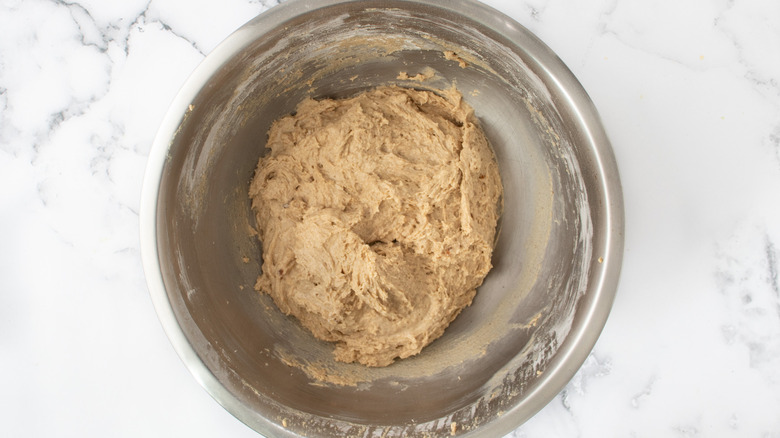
x: 377, y: 216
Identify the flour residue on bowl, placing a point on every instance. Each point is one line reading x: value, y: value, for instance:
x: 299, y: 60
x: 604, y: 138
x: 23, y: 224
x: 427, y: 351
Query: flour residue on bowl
x: 322, y: 371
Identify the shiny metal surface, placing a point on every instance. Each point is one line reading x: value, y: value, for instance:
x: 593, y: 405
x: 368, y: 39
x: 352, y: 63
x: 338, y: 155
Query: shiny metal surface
x: 557, y: 259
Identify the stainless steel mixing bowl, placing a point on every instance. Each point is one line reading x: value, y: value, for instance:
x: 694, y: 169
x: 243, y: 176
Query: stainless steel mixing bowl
x: 557, y: 258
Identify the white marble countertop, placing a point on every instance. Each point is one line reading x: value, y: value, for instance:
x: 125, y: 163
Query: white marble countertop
x: 690, y: 96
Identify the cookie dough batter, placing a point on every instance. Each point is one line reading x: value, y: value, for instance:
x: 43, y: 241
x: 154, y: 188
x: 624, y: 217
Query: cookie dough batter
x: 378, y: 217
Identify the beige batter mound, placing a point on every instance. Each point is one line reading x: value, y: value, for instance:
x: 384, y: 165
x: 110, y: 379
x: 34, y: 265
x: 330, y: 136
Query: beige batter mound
x: 378, y: 217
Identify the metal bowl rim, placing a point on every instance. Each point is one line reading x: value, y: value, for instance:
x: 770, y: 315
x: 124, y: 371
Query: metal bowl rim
x: 581, y: 339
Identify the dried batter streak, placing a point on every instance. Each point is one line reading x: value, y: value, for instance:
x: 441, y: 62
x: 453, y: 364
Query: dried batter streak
x: 378, y: 216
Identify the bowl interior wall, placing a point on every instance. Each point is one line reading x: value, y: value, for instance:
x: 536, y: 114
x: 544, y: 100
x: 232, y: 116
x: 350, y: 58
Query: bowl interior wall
x: 495, y: 351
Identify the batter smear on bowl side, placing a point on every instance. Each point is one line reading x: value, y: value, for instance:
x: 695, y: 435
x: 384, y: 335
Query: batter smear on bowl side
x: 377, y: 215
